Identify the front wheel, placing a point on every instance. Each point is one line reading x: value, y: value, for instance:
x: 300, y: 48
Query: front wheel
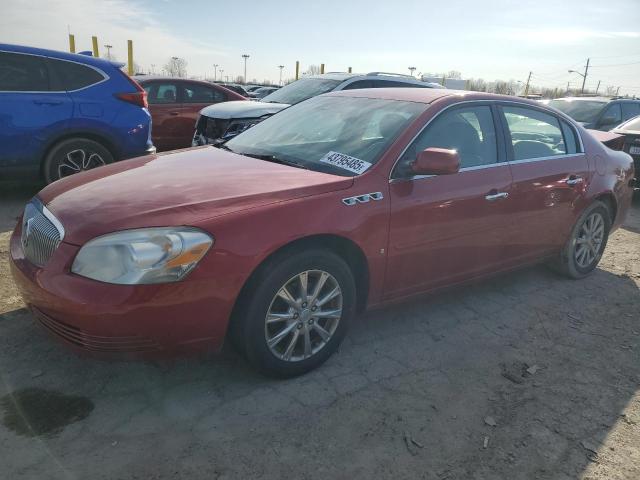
x: 72, y: 156
x: 589, y: 236
x: 297, y: 313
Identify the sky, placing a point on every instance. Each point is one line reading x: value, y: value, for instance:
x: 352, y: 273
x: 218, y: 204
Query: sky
x: 489, y: 39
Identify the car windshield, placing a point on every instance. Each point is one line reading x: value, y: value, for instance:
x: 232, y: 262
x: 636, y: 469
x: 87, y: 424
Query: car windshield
x: 580, y: 110
x: 632, y: 125
x: 301, y: 90
x: 339, y: 135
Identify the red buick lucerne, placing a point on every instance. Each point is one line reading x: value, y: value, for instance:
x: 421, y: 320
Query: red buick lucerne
x: 344, y: 202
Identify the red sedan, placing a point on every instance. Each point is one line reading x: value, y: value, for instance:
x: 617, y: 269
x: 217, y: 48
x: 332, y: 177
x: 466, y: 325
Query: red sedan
x: 174, y: 104
x: 343, y: 202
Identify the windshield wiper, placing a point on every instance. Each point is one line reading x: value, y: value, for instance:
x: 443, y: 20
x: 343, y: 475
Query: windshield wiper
x: 274, y: 159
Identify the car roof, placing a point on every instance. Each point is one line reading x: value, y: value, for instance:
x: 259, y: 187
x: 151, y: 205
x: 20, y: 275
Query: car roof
x: 74, y: 57
x: 421, y: 95
x: 342, y: 76
x: 592, y: 99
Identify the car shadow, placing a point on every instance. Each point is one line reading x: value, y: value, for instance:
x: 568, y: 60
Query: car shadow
x: 522, y: 376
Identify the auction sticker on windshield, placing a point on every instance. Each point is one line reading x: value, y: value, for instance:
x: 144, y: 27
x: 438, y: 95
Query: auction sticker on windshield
x: 346, y: 162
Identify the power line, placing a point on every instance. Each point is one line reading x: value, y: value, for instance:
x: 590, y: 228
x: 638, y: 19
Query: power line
x: 615, y: 65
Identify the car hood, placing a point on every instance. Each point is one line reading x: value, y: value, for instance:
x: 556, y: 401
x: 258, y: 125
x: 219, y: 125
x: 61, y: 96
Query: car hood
x: 180, y: 188
x: 242, y: 109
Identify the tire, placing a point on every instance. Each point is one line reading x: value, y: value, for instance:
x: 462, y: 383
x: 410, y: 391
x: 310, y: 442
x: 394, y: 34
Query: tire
x: 293, y: 320
x: 72, y: 156
x: 572, y: 263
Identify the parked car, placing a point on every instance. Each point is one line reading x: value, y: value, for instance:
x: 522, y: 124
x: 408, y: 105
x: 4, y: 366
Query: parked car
x: 631, y: 133
x: 262, y: 92
x: 62, y: 113
x: 349, y: 200
x: 219, y: 123
x: 598, y: 113
x: 239, y: 89
x: 251, y: 88
x: 175, y: 104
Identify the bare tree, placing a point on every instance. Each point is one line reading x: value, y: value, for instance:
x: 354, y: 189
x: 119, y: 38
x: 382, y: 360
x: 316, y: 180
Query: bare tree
x: 240, y: 79
x: 455, y: 74
x: 176, y: 67
x: 313, y: 70
x: 477, y: 85
x: 610, y: 90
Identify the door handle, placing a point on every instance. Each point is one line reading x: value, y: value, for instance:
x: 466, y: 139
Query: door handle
x: 574, y: 180
x: 174, y: 113
x: 492, y: 197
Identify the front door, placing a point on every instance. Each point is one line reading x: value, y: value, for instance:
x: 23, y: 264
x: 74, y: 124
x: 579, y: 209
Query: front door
x: 165, y: 109
x: 450, y: 228
x: 195, y: 96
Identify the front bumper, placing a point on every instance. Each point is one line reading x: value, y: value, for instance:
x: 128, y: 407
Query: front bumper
x: 118, y: 321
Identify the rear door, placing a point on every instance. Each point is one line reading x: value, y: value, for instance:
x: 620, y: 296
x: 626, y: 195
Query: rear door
x: 165, y: 109
x: 31, y: 112
x: 549, y: 171
x: 448, y: 228
x: 194, y: 97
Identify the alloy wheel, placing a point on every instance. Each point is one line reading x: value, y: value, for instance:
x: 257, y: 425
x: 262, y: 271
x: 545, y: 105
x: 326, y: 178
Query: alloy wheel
x: 589, y: 241
x: 77, y: 161
x: 303, y: 315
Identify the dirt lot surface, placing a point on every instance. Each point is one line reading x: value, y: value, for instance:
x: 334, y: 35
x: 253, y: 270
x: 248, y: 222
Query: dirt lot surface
x: 527, y: 376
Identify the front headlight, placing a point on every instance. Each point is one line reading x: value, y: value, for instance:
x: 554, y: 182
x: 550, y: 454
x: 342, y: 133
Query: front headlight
x: 147, y: 255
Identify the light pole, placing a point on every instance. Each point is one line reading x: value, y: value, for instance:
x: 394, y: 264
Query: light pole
x: 215, y: 74
x: 108, y: 47
x: 412, y: 69
x: 583, y: 75
x: 245, y: 56
x: 153, y: 69
x: 280, y: 67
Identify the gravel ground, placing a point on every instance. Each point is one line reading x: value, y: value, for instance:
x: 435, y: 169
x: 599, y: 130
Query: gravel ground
x: 525, y: 376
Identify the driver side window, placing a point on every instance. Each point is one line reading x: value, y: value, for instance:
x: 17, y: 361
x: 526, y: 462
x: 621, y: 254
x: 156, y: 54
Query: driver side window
x: 468, y: 130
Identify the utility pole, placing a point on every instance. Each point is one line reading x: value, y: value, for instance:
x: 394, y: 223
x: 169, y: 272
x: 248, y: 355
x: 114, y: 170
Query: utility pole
x: 245, y: 56
x: 215, y: 73
x: 526, y: 88
x: 618, y: 91
x: 153, y: 69
x: 221, y: 77
x: 598, y: 87
x: 280, y: 67
x: 108, y: 47
x: 584, y: 77
x: 411, y: 70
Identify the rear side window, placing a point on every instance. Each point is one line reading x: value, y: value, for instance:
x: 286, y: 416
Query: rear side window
x: 160, y: 93
x: 196, y: 93
x: 73, y: 76
x: 611, y: 116
x: 570, y: 138
x: 534, y: 134
x: 23, y: 73
x: 630, y: 110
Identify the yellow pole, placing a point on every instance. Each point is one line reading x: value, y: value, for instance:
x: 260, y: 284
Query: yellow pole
x: 94, y: 40
x: 297, y: 69
x: 72, y: 43
x: 349, y: 69
x: 322, y: 68
x: 130, y: 55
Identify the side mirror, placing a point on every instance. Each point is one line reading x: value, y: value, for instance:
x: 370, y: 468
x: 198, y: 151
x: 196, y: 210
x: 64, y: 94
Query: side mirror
x: 436, y: 161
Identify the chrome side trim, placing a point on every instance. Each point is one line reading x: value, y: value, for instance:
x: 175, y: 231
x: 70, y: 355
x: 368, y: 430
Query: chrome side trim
x: 567, y: 119
x: 56, y: 223
x: 540, y: 159
x: 364, y: 198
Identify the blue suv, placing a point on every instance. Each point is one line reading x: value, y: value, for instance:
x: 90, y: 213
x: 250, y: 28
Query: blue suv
x: 62, y: 113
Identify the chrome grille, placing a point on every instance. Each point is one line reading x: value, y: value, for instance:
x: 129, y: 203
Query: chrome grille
x: 41, y: 233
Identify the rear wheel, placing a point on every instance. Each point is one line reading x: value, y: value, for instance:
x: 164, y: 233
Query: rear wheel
x: 73, y: 156
x: 588, y: 240
x: 297, y: 313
